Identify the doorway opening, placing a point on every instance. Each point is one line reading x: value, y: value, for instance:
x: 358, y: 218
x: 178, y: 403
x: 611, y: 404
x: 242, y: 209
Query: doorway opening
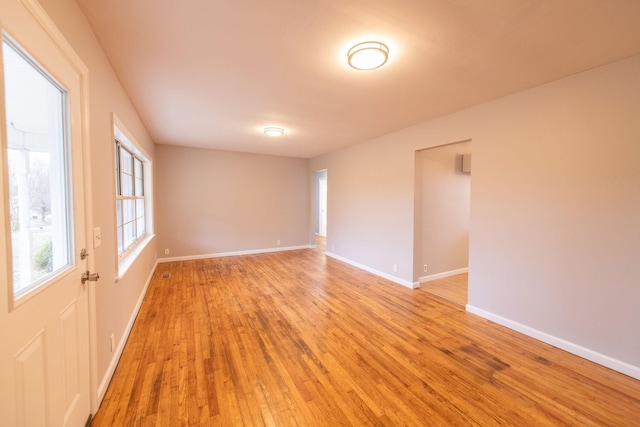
x: 320, y: 211
x: 443, y: 189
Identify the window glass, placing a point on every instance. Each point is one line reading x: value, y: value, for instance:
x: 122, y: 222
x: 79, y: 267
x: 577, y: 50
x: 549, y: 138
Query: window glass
x: 139, y: 187
x: 130, y: 201
x: 37, y: 153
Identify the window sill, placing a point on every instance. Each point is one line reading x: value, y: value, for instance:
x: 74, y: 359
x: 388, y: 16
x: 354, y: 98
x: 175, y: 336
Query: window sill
x: 126, y: 261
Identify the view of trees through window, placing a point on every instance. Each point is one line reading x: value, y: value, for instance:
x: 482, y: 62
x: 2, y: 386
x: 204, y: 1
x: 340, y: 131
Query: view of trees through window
x: 38, y: 185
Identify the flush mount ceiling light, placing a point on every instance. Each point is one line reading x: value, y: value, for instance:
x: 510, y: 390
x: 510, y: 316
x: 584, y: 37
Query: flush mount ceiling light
x: 273, y: 131
x: 368, y: 55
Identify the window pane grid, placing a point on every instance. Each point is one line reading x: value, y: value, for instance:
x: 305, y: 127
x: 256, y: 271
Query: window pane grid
x: 130, y: 202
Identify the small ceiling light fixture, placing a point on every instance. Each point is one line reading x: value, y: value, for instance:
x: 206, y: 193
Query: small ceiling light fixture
x: 368, y: 55
x: 273, y: 131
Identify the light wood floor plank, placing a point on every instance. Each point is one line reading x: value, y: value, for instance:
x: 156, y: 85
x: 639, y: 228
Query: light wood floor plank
x: 296, y: 339
x: 454, y: 288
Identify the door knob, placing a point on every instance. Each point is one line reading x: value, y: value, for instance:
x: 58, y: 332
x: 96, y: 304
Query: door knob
x: 91, y: 277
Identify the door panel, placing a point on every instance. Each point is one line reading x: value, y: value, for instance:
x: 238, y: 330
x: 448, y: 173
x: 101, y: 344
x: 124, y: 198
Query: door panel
x: 31, y: 383
x: 44, y: 356
x: 71, y: 389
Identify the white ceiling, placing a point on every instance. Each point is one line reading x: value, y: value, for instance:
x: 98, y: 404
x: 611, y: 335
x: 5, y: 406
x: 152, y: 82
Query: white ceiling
x: 213, y: 73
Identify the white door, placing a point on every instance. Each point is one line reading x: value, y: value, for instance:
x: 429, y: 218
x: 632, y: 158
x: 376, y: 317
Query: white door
x: 44, y: 335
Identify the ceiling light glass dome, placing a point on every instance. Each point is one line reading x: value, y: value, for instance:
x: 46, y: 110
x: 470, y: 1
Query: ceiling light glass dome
x: 368, y: 55
x: 273, y: 131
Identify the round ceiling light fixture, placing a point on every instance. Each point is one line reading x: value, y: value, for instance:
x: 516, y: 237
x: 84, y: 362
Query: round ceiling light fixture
x: 368, y: 55
x: 273, y: 131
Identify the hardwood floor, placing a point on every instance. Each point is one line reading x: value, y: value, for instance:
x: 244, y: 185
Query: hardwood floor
x: 321, y: 244
x: 294, y: 338
x: 454, y: 288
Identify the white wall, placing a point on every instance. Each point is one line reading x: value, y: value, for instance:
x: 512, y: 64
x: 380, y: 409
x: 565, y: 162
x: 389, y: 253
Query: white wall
x: 115, y: 302
x: 370, y: 206
x: 211, y: 202
x: 444, y: 209
x: 555, y: 225
x: 555, y: 209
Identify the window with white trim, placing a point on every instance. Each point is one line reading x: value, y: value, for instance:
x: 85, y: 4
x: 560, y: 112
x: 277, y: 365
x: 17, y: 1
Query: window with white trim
x: 130, y: 197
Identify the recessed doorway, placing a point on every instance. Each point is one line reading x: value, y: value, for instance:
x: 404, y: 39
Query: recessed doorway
x: 443, y: 179
x: 320, y: 208
x: 322, y: 205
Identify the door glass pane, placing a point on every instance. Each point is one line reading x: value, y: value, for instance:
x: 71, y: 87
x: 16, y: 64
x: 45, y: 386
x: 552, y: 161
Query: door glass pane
x: 37, y: 172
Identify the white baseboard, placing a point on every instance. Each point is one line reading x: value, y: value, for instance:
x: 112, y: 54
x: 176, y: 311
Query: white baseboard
x: 395, y: 279
x: 406, y: 283
x: 443, y: 275
x: 594, y: 356
x: 117, y: 353
x: 223, y: 254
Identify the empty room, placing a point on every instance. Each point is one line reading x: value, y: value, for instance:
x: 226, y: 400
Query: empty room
x: 330, y: 213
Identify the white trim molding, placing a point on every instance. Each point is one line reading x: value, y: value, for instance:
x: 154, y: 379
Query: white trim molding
x: 578, y: 350
x: 117, y: 353
x: 405, y: 283
x: 224, y: 254
x: 443, y: 275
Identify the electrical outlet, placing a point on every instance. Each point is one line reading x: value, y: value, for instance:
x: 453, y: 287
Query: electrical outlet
x: 277, y: 242
x: 112, y: 343
x: 395, y: 268
x: 166, y: 251
x: 425, y: 268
